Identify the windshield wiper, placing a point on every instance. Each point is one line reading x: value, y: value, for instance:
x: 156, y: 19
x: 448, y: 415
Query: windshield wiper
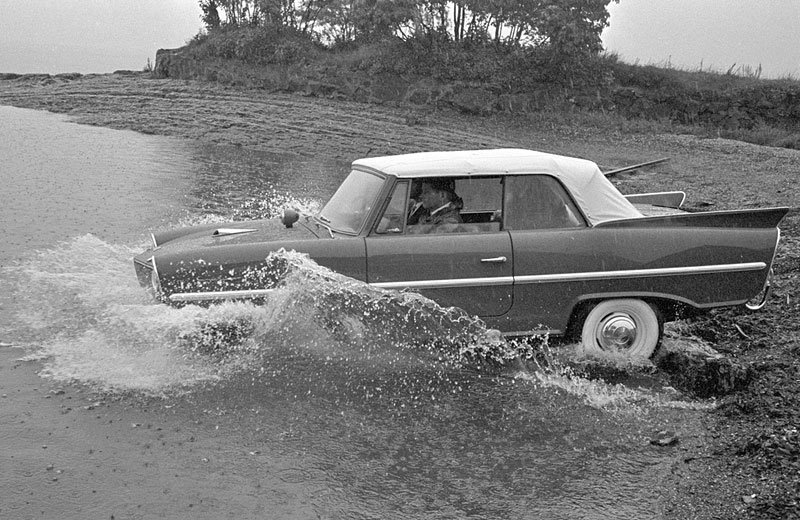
x: 322, y: 221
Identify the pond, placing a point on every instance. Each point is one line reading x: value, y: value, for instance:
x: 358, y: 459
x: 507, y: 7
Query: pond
x: 245, y: 411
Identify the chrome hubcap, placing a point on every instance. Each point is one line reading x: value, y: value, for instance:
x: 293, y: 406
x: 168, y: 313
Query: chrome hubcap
x: 617, y: 331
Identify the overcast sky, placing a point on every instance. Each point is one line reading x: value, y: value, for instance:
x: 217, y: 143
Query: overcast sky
x: 711, y: 33
x: 105, y: 35
x: 91, y: 35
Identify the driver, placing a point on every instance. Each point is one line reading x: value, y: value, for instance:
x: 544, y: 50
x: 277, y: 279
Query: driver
x: 439, y: 198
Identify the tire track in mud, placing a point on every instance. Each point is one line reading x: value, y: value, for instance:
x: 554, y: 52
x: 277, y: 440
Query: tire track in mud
x: 270, y: 122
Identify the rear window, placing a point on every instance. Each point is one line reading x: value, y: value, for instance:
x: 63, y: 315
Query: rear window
x: 538, y: 202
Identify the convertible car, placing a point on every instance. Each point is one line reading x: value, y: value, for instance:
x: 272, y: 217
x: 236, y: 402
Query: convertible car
x: 530, y: 242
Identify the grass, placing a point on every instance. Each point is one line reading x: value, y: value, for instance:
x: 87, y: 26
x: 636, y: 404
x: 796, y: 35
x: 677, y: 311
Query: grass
x: 736, y: 103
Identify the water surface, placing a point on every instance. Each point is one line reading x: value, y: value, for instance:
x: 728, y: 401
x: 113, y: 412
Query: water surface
x: 323, y: 403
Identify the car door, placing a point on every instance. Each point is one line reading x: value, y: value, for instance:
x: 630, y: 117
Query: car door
x: 549, y: 236
x: 468, y: 266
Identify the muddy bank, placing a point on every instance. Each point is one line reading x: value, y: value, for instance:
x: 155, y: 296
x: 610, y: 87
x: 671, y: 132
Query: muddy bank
x: 735, y: 472
x: 632, y: 91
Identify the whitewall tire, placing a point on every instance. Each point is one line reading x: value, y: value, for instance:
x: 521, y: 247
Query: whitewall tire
x: 623, y: 326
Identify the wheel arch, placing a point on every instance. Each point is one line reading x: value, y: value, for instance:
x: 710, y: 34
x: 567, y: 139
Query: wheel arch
x: 667, y: 308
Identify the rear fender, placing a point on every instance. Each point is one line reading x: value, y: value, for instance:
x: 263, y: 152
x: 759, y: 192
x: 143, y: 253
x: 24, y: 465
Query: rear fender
x: 749, y: 218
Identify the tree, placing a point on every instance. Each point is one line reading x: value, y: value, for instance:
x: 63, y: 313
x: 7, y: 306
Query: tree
x: 236, y: 13
x: 210, y: 15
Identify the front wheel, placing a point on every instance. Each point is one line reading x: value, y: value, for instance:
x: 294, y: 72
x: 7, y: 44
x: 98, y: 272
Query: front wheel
x: 625, y: 326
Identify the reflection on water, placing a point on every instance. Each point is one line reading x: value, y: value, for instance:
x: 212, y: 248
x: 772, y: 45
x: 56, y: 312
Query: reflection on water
x: 344, y: 400
x: 59, y: 180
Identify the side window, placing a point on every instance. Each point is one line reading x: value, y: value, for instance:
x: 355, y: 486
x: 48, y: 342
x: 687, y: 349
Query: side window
x: 455, y: 205
x: 394, y: 218
x: 483, y: 201
x: 539, y: 202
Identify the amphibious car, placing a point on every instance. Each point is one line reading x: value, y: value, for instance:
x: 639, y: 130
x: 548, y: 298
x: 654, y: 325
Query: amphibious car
x: 537, y: 243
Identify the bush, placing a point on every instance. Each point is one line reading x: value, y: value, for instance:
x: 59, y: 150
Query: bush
x: 501, y: 67
x: 537, y: 78
x: 256, y: 45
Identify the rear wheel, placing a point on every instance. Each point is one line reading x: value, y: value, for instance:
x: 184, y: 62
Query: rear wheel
x: 624, y: 326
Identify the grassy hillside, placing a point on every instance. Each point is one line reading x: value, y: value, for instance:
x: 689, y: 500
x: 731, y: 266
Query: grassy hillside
x: 485, y: 79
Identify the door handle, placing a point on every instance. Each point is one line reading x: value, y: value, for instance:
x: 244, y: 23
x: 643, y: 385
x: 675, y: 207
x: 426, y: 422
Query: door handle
x: 495, y: 260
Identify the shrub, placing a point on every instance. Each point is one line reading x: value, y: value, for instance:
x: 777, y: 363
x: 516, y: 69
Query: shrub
x: 256, y: 45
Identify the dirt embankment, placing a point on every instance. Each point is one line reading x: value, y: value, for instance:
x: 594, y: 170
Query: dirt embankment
x: 723, y: 102
x: 750, y: 464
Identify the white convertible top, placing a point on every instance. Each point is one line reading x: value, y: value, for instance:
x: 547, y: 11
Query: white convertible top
x: 591, y: 190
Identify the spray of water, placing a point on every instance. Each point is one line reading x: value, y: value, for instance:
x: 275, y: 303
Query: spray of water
x: 79, y: 309
x: 271, y: 203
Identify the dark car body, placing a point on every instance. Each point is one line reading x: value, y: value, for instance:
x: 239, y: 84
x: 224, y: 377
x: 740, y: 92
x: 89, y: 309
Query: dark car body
x: 543, y: 239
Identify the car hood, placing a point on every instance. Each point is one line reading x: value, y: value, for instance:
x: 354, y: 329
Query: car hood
x: 237, y: 233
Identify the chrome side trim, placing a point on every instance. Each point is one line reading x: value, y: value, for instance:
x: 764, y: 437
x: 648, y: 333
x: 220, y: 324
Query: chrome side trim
x: 534, y: 332
x: 219, y: 295
x: 491, y: 281
x: 443, y: 284
x: 638, y: 273
x: 570, y: 277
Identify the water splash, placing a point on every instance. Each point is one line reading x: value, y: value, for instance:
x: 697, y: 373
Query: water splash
x: 79, y: 309
x: 271, y: 203
x: 567, y: 369
x: 265, y: 204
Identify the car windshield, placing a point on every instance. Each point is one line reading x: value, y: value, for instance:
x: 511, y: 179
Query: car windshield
x: 349, y: 207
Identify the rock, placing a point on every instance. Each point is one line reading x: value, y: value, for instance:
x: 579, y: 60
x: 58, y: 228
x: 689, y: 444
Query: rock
x: 163, y: 59
x: 664, y: 438
x: 177, y: 63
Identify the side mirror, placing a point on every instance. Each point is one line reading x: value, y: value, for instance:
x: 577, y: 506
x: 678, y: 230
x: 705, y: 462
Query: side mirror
x: 290, y: 216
